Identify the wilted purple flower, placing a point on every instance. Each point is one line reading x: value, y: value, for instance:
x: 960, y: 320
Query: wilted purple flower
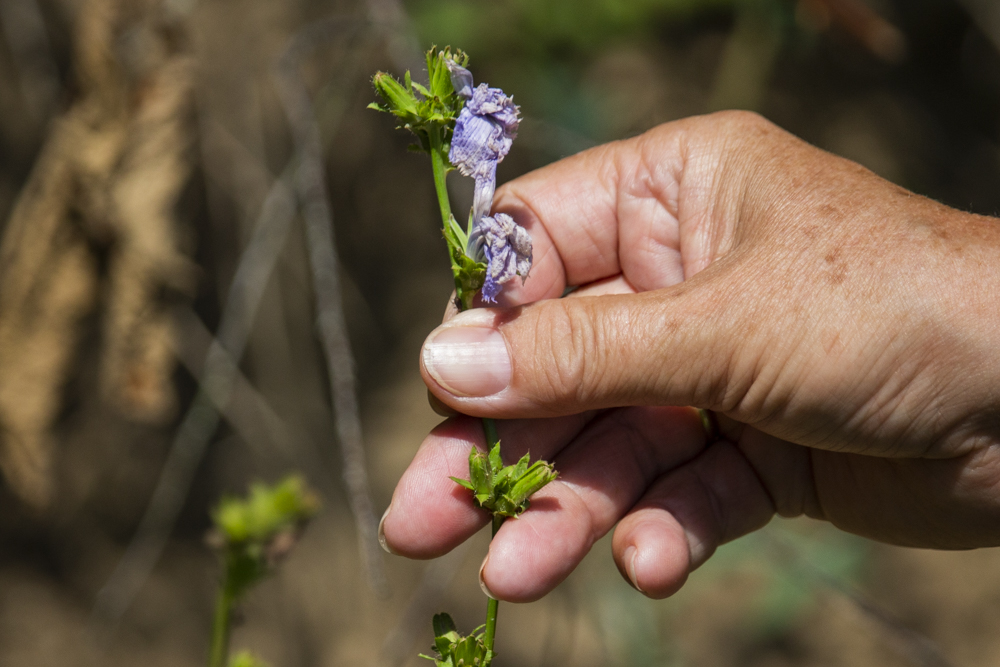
x: 507, y: 247
x: 492, y: 103
x: 484, y: 132
x: 477, y: 145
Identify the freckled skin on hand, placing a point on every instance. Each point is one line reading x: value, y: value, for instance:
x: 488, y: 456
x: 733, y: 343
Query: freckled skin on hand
x: 844, y: 330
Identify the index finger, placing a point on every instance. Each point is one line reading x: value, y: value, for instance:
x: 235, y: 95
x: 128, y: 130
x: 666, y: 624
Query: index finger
x: 608, y: 211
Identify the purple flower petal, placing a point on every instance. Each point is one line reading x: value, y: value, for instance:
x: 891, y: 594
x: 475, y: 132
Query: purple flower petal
x: 461, y: 79
x: 482, y: 200
x: 484, y: 132
x: 507, y: 248
x: 477, y: 145
x: 494, y: 103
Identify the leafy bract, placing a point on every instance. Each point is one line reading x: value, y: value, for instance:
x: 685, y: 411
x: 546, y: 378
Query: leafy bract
x: 504, y: 490
x: 454, y: 650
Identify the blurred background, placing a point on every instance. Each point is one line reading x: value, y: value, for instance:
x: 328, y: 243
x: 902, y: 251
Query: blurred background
x: 203, y: 225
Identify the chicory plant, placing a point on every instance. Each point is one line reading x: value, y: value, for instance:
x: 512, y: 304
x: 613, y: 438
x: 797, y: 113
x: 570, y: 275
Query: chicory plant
x: 471, y: 128
x: 252, y: 536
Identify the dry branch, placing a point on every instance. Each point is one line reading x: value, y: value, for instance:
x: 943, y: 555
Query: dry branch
x: 216, y: 384
x: 107, y: 180
x: 317, y: 215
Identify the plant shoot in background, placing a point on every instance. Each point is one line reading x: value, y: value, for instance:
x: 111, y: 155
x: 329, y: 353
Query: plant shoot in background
x: 471, y: 128
x: 252, y: 536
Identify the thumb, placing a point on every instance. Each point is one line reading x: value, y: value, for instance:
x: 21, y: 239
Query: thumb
x: 674, y: 346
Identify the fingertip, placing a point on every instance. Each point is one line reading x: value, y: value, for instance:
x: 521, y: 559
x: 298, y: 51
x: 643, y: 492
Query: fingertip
x: 521, y: 567
x: 652, y: 554
x: 406, y: 533
x: 439, y: 407
x: 429, y: 514
x: 509, y: 572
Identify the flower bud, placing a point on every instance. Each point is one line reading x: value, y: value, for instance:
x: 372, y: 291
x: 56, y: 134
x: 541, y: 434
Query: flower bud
x: 398, y: 99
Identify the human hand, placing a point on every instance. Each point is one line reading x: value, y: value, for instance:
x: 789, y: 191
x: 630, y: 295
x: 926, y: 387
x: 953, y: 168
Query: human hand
x: 844, y: 330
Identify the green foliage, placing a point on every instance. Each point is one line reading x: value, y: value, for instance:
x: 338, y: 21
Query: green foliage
x: 454, y: 650
x: 266, y: 511
x: 246, y: 659
x: 505, y: 490
x: 804, y: 563
x: 791, y: 561
x: 429, y: 112
x: 542, y: 50
x: 535, y: 28
x: 255, y: 533
x: 426, y: 111
x: 468, y: 273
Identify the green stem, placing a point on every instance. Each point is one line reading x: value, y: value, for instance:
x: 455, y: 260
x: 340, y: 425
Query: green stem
x: 437, y: 164
x: 441, y: 188
x: 221, y: 624
x: 490, y: 428
x: 465, y: 303
x: 492, y: 606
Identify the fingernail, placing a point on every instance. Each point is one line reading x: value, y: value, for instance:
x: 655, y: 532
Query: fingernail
x: 468, y: 361
x: 381, y: 532
x: 482, y: 581
x: 631, y: 553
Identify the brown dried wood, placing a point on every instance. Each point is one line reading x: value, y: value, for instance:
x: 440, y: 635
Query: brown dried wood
x: 104, y: 187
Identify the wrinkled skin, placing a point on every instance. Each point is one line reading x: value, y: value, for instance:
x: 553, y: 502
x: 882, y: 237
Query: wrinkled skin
x: 846, y: 331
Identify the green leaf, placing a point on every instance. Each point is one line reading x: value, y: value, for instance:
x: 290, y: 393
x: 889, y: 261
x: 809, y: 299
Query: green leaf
x: 469, y: 227
x: 454, y: 650
x: 522, y: 465
x: 438, y: 74
x: 469, y: 275
x: 496, y: 462
x: 424, y: 109
x: 457, y: 237
x: 502, y: 478
x: 431, y: 59
x: 399, y: 100
x: 426, y: 93
x: 478, y: 474
x: 446, y: 643
x: 443, y: 624
x: 463, y: 482
x: 532, y: 480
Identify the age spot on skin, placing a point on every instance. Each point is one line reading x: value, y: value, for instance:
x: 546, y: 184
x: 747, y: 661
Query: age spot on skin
x: 838, y: 271
x: 838, y: 276
x: 811, y: 232
x: 831, y: 213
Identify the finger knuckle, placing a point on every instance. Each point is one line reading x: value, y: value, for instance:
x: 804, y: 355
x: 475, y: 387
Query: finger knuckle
x: 567, y: 351
x: 741, y: 120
